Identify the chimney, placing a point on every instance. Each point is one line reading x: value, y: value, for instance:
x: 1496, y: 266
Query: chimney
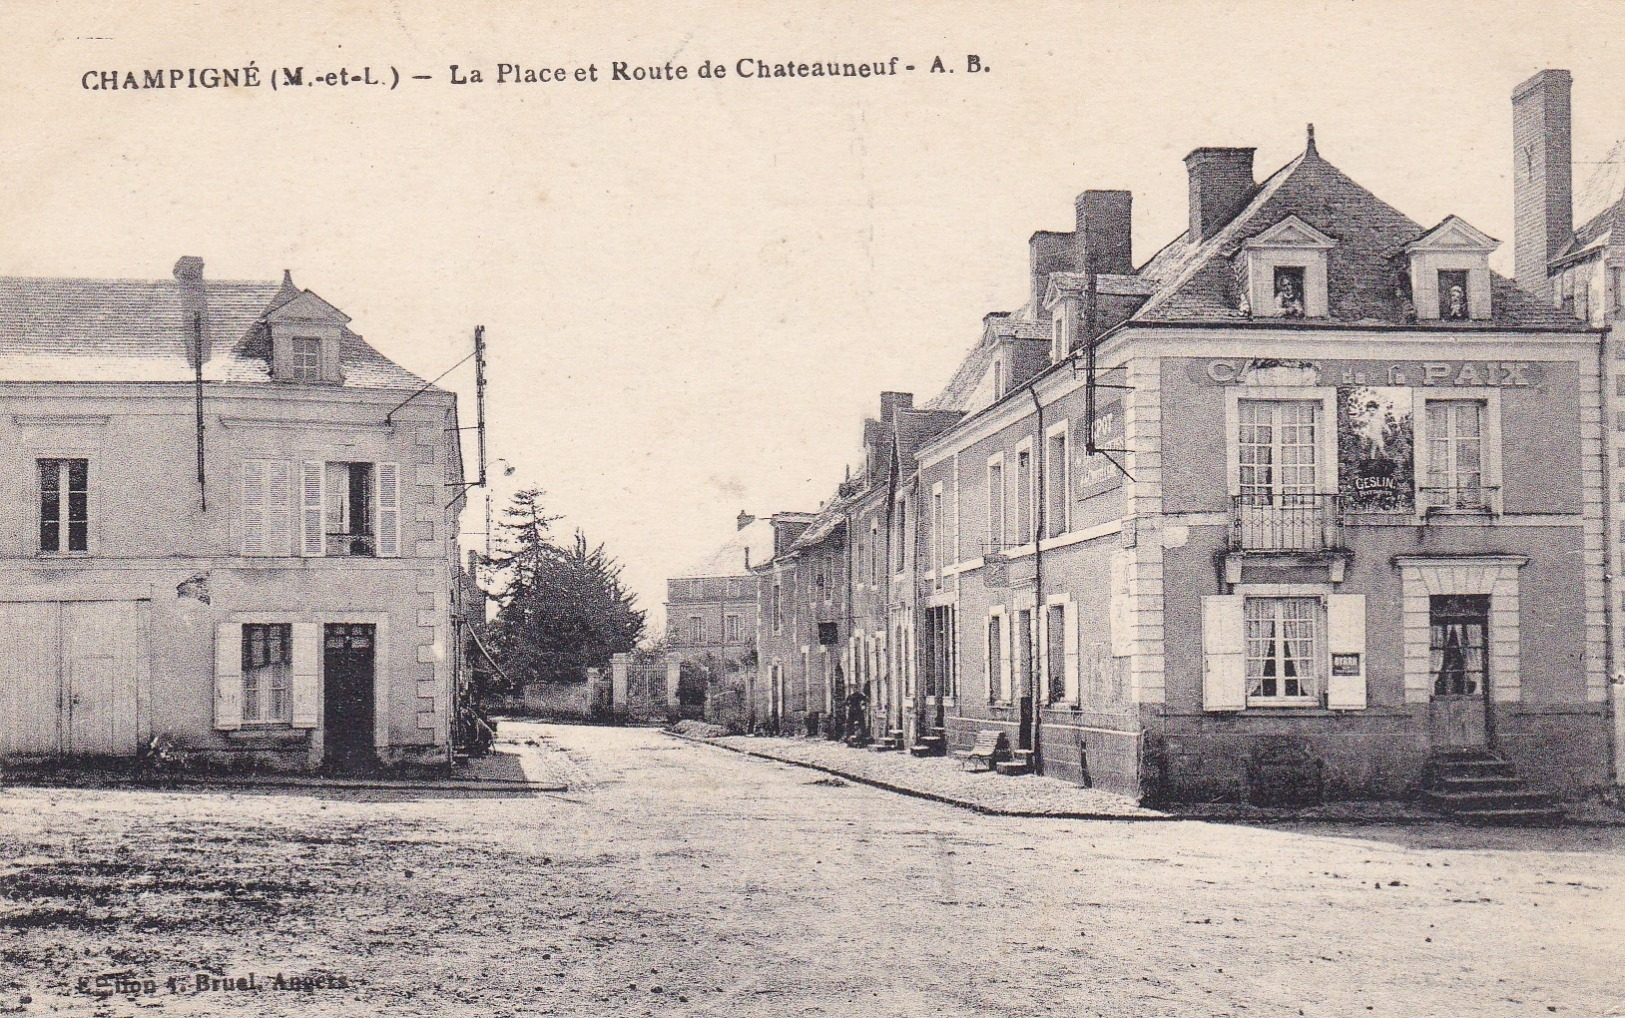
x: 743, y: 520
x: 1221, y: 182
x: 1542, y: 176
x: 1050, y: 252
x: 1103, y: 238
x: 194, y: 309
x: 891, y: 403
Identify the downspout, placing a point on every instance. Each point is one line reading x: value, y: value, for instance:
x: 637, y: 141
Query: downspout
x: 892, y: 676
x: 197, y: 358
x: 1610, y: 713
x: 1039, y: 497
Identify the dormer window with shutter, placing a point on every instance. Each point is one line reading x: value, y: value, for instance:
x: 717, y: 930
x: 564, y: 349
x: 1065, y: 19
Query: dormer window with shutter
x: 306, y: 333
x: 1450, y: 272
x: 1284, y: 271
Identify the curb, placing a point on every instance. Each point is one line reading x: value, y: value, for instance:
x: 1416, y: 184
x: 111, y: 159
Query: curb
x: 1197, y: 817
x: 381, y: 784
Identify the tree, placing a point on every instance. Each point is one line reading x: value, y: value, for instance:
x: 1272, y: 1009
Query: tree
x: 562, y: 609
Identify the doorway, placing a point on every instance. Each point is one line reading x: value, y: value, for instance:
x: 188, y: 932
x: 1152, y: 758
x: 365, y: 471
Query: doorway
x: 1458, y: 662
x: 348, y: 669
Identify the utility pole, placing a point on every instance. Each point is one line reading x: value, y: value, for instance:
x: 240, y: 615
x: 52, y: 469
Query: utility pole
x: 479, y: 410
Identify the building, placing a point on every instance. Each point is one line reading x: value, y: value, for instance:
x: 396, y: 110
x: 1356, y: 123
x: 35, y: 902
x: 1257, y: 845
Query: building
x: 1306, y: 502
x: 711, y: 623
x: 1581, y: 270
x: 231, y: 528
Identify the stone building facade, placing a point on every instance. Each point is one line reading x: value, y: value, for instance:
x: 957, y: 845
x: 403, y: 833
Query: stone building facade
x: 231, y: 528
x: 711, y: 623
x: 1303, y: 501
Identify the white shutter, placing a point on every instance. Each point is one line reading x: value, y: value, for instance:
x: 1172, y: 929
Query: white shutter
x: 1224, y: 670
x: 253, y: 504
x: 313, y: 510
x: 1070, y: 615
x: 228, y: 676
x: 279, y: 507
x: 307, y: 648
x: 1345, y: 639
x: 389, y: 510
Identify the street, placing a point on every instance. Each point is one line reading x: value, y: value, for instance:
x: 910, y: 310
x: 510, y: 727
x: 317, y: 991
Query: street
x: 675, y: 878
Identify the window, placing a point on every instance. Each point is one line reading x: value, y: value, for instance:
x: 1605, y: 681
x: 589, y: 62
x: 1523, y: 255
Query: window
x: 305, y: 358
x: 696, y: 587
x: 1024, y: 651
x: 996, y: 674
x: 874, y: 552
x: 267, y: 507
x: 64, y: 505
x: 1458, y: 647
x: 902, y: 534
x: 1278, y: 451
x: 778, y: 607
x: 1024, y: 496
x: 1453, y: 294
x: 267, y: 674
x: 1455, y: 436
x: 995, y: 502
x: 732, y: 632
x: 1057, y: 477
x: 1283, y: 647
x: 1618, y: 285
x: 350, y: 509
x: 939, y: 539
x: 998, y: 380
x: 1288, y: 291
x: 1055, y: 651
x: 696, y: 629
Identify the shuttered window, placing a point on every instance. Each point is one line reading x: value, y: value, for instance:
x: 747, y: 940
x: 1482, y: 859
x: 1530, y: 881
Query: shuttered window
x: 267, y: 673
x: 267, y: 507
x: 1285, y: 640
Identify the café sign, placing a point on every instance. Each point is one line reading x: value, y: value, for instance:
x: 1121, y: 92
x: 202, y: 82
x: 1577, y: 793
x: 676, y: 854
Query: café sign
x: 1494, y: 374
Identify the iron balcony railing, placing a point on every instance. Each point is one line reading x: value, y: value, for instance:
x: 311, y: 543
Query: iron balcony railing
x: 1286, y: 522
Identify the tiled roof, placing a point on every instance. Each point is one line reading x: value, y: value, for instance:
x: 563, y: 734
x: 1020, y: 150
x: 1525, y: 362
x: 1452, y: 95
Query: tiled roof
x: 1198, y: 281
x: 129, y: 330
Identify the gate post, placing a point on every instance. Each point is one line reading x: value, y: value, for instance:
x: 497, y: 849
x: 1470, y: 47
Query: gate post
x: 617, y: 684
x: 674, y: 672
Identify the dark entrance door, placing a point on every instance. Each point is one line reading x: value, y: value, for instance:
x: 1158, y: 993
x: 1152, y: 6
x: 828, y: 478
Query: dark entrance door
x: 347, y: 664
x: 1458, y: 649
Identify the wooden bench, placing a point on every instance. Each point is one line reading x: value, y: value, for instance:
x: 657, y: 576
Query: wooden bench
x: 990, y: 748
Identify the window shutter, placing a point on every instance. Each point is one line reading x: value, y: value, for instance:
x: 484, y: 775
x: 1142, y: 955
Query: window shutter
x: 330, y: 359
x: 307, y: 646
x: 313, y: 510
x: 1070, y: 614
x: 253, y: 507
x: 279, y: 507
x: 1345, y: 625
x: 281, y: 369
x: 1224, y: 671
x: 389, y: 510
x: 228, y: 676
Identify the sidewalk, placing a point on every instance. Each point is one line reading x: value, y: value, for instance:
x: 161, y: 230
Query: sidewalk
x: 941, y: 779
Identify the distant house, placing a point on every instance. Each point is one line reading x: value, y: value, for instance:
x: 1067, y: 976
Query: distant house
x: 711, y: 621
x: 230, y: 526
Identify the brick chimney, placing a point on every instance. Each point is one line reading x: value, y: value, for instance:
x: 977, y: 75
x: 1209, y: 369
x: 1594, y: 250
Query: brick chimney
x: 891, y: 403
x: 194, y: 309
x: 1542, y: 176
x: 1103, y: 237
x: 1049, y: 252
x: 743, y: 520
x: 1221, y: 183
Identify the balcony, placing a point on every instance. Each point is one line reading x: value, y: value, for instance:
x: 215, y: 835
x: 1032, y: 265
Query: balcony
x: 1276, y: 522
x: 344, y: 544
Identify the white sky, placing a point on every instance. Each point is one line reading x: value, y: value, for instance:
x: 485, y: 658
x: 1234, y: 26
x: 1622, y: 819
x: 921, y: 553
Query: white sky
x: 693, y: 291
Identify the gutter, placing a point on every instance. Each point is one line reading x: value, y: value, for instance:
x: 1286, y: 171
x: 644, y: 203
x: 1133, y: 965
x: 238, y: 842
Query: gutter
x: 1039, y: 496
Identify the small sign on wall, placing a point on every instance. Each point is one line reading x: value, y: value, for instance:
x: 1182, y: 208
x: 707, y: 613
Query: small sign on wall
x: 1346, y: 665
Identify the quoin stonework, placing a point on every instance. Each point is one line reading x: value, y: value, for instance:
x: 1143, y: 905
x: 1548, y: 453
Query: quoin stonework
x: 231, y: 530
x: 1309, y: 503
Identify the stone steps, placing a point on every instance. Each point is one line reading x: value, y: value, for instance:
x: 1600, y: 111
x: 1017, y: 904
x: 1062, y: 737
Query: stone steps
x: 1477, y: 786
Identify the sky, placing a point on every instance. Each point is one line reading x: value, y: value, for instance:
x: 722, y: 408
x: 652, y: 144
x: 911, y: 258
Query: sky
x: 694, y: 290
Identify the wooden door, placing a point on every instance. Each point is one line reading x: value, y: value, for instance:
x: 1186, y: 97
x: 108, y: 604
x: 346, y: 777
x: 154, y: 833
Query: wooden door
x: 1459, y: 669
x: 32, y: 702
x: 347, y: 670
x: 104, y: 657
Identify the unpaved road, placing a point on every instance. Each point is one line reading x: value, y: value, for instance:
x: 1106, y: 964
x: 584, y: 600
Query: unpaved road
x: 682, y: 879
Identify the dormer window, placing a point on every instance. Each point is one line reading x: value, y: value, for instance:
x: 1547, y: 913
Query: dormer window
x: 1450, y: 272
x: 1453, y: 294
x: 1289, y: 292
x: 1283, y: 271
x: 305, y: 356
x: 306, y: 336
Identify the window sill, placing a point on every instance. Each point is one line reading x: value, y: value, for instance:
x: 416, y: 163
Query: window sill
x: 1275, y: 703
x: 63, y: 554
